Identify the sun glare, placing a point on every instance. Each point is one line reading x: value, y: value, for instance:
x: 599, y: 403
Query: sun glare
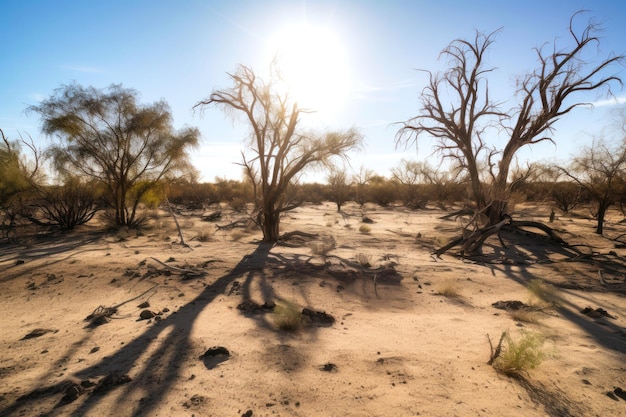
x: 313, y: 64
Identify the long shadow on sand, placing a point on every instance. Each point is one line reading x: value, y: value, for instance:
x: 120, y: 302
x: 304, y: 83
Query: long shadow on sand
x: 163, y: 347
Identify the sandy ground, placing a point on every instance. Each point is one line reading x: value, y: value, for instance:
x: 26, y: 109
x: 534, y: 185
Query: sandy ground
x: 396, y: 348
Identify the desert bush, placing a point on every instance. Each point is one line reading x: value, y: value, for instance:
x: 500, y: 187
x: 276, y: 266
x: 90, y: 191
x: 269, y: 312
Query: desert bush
x: 67, y: 206
x: 203, y: 235
x: 519, y: 356
x: 543, y: 294
x: 363, y: 260
x: 526, y: 316
x: 287, y: 316
x: 323, y: 246
x: 365, y: 229
x: 237, y: 235
x: 449, y: 289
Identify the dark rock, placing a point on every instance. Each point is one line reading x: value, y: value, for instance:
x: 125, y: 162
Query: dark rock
x: 146, y: 314
x: 247, y: 414
x: 510, y: 305
x: 214, y: 356
x: 144, y: 305
x: 620, y: 393
x: 318, y: 316
x: 329, y: 367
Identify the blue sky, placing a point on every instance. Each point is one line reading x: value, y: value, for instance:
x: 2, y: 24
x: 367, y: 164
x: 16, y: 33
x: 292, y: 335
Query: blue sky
x: 181, y: 50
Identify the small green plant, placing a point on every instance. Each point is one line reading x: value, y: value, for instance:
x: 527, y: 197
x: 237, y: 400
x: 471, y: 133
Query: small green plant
x: 287, y: 316
x: 365, y: 229
x: 516, y: 356
x: 543, y: 294
x: 449, y: 289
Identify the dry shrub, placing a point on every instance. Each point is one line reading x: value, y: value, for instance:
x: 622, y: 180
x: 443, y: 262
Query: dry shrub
x: 543, y: 294
x: 323, y: 246
x: 363, y: 260
x: 526, y: 316
x: 237, y: 235
x: 449, y: 289
x: 365, y: 229
x: 287, y: 316
x: 203, y: 236
x: 521, y: 354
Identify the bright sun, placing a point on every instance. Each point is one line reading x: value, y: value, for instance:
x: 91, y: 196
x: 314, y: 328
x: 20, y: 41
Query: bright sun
x: 314, y: 66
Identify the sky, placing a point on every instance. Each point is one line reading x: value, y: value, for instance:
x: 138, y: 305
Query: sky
x: 181, y: 51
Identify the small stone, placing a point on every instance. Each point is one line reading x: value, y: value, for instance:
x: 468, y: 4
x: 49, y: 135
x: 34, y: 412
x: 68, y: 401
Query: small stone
x: 146, y: 315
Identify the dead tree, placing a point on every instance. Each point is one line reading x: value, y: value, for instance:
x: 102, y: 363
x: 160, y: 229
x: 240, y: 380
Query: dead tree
x: 458, y: 111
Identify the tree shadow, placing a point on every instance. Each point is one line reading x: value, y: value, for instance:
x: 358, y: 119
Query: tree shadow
x: 166, y: 345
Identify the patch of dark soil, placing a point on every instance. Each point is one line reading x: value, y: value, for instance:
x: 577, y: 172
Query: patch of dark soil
x: 329, y: 367
x: 38, y: 333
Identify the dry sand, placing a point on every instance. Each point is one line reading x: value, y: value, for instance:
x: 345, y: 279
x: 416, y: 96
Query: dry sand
x: 397, y: 347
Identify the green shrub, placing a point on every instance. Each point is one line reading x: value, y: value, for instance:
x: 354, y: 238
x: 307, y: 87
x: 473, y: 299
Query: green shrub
x: 518, y: 356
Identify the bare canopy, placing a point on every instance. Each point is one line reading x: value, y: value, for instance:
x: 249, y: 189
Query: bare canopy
x: 279, y: 149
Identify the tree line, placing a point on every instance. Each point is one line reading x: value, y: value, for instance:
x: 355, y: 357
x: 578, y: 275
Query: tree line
x: 108, y: 152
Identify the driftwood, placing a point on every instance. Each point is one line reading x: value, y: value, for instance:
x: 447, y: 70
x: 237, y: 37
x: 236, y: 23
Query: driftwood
x: 495, y: 352
x: 186, y: 272
x: 102, y: 314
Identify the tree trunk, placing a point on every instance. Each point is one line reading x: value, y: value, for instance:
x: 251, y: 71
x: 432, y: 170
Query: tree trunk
x: 270, y: 225
x: 602, y: 208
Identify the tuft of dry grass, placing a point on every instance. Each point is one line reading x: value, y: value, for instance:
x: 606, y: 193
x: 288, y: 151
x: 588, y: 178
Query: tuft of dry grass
x: 449, y: 289
x: 526, y: 316
x: 363, y: 260
x: 323, y: 246
x: 365, y: 229
x: 287, y: 316
x: 521, y: 354
x: 237, y: 235
x: 203, y: 236
x: 543, y: 294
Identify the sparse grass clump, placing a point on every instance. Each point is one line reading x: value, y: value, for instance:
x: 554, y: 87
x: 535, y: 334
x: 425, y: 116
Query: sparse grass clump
x: 526, y: 316
x: 363, y: 260
x: 237, y: 235
x: 519, y: 355
x: 449, y: 289
x: 365, y: 229
x: 543, y: 294
x: 203, y: 236
x: 323, y: 246
x: 287, y: 316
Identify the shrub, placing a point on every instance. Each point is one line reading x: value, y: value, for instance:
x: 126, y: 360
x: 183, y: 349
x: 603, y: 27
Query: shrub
x: 449, y: 289
x: 543, y: 292
x: 287, y: 316
x: 365, y: 229
x: 323, y: 246
x: 518, y: 356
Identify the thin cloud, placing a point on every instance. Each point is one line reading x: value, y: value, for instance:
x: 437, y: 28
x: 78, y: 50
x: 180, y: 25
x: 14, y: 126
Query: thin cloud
x: 613, y: 101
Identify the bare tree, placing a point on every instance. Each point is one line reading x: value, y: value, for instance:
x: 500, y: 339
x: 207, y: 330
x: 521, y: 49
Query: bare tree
x: 361, y: 179
x: 280, y: 150
x: 461, y: 121
x: 337, y: 180
x: 601, y: 171
x: 107, y: 136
